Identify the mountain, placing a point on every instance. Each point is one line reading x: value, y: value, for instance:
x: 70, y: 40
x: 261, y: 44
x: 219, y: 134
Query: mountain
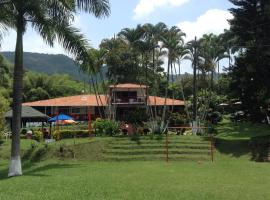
x: 50, y: 64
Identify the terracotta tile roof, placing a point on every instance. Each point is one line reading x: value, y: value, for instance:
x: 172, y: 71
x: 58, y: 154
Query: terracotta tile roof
x: 80, y: 100
x: 128, y: 85
x: 159, y: 101
x: 90, y: 100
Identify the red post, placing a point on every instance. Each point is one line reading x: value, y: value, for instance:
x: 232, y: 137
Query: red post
x: 212, y: 147
x: 57, y: 122
x: 167, y: 148
x: 89, y: 122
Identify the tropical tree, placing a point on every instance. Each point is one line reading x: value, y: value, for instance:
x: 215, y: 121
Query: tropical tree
x: 133, y: 38
x: 173, y: 42
x: 97, y: 58
x: 212, y: 51
x: 52, y: 21
x: 250, y: 73
x: 118, y: 58
x: 152, y: 36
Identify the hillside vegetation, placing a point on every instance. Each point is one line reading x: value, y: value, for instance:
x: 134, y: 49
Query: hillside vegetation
x: 50, y: 64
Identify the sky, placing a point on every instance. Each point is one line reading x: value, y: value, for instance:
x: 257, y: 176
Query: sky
x: 194, y: 17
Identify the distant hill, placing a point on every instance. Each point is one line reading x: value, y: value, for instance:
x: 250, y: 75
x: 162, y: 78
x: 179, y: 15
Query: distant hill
x: 50, y: 64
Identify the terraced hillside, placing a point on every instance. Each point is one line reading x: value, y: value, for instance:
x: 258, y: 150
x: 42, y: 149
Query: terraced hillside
x: 180, y: 148
x: 144, y: 148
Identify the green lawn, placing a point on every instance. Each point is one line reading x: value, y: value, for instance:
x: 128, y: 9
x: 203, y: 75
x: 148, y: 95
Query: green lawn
x: 241, y: 131
x: 223, y: 179
x: 87, y: 176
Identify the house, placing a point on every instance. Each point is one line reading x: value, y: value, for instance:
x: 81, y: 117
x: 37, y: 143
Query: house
x: 120, y: 99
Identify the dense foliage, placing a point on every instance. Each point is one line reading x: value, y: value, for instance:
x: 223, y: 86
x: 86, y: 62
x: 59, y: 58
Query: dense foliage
x: 105, y: 127
x: 41, y: 86
x: 4, y: 106
x: 250, y: 74
x: 5, y: 89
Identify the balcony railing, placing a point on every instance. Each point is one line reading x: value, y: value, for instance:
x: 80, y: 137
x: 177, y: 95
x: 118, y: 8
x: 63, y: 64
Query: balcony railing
x: 129, y: 100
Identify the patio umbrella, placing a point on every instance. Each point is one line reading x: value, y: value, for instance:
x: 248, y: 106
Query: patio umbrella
x: 238, y: 103
x: 223, y: 104
x: 60, y: 117
x: 70, y: 121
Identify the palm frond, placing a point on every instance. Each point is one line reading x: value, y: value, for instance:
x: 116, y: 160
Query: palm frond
x: 100, y: 8
x: 6, y: 20
x: 73, y: 41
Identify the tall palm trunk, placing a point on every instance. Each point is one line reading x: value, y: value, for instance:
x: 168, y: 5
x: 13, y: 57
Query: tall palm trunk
x: 15, y: 168
x: 163, y: 124
x: 96, y: 95
x: 154, y: 70
x: 212, y: 80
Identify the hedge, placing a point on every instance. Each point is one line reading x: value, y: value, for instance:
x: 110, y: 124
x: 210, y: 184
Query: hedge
x: 64, y: 134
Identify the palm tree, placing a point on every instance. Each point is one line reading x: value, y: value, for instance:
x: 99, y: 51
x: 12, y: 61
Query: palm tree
x: 96, y: 58
x: 52, y: 20
x: 154, y: 33
x: 212, y: 51
x: 133, y: 37
x: 173, y: 42
x: 228, y: 40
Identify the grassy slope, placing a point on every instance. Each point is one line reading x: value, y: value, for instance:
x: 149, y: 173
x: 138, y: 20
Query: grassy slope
x: 241, y: 131
x: 234, y: 139
x: 231, y: 176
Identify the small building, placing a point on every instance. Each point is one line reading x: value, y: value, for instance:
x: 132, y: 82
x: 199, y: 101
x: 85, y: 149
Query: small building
x: 29, y: 115
x: 120, y: 98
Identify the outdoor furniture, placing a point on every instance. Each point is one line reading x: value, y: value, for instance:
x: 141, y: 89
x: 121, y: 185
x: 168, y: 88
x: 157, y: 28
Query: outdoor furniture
x: 7, y: 135
x: 29, y: 134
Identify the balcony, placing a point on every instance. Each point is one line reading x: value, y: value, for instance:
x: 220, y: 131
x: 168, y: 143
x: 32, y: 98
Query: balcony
x: 129, y: 101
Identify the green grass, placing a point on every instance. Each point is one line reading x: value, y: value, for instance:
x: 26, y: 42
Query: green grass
x: 90, y: 176
x: 241, y: 131
x: 223, y: 179
x: 233, y: 139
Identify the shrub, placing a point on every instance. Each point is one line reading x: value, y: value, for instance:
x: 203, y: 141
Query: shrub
x: 23, y: 131
x: 56, y: 135
x: 135, y: 116
x: 37, y: 135
x: 177, y: 119
x: 106, y: 127
x: 214, y: 117
x: 64, y: 134
x: 4, y: 106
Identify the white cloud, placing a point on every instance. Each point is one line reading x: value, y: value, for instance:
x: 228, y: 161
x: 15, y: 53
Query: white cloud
x: 146, y: 7
x: 212, y: 21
